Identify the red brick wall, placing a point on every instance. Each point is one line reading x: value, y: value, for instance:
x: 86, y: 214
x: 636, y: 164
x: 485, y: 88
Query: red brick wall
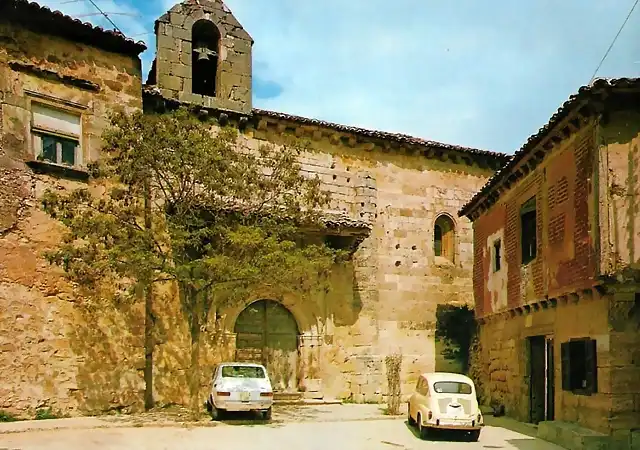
x: 581, y: 268
x: 565, y: 254
x: 482, y: 229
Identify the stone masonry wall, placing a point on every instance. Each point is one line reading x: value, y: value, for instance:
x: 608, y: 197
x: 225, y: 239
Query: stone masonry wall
x: 174, y: 56
x: 619, y: 145
x: 44, y: 357
x: 62, y: 348
x: 504, y: 368
x: 399, y: 282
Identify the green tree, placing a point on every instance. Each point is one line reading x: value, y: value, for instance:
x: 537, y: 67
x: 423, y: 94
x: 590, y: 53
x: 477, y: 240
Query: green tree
x: 173, y: 199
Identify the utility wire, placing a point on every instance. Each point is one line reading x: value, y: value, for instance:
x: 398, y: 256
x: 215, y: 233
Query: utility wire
x: 116, y: 26
x: 612, y: 42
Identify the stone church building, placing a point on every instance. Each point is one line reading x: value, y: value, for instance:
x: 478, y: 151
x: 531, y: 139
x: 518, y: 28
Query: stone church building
x: 395, y: 201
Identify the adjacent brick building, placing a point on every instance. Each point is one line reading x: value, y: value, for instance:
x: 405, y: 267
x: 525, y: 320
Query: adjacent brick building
x: 395, y: 197
x: 555, y: 272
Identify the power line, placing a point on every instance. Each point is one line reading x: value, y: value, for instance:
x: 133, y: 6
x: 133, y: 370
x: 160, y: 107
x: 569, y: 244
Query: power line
x: 112, y: 13
x: 116, y: 26
x: 612, y: 42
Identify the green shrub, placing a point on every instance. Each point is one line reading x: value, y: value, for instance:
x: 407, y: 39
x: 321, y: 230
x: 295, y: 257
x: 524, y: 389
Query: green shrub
x: 7, y: 417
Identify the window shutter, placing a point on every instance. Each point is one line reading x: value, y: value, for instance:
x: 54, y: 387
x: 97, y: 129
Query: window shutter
x: 566, y: 366
x: 51, y: 119
x: 591, y: 366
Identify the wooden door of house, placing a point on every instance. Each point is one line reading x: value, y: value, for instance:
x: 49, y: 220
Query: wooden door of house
x: 537, y: 379
x: 267, y: 333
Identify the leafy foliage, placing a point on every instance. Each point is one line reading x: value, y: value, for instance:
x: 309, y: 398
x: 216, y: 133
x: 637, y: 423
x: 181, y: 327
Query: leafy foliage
x: 174, y: 200
x: 394, y: 366
x: 47, y: 414
x: 456, y: 326
x: 7, y: 417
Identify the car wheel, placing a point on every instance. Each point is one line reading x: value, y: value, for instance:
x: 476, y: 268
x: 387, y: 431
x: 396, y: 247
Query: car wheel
x: 215, y: 413
x: 422, y: 430
x: 474, y: 435
x: 266, y: 415
x: 410, y: 420
x: 208, y: 405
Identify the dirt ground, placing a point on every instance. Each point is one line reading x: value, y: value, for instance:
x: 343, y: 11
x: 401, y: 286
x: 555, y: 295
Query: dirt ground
x: 349, y: 427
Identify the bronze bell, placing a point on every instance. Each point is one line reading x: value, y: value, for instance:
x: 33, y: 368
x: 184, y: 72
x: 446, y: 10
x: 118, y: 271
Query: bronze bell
x: 203, y: 51
x: 203, y: 54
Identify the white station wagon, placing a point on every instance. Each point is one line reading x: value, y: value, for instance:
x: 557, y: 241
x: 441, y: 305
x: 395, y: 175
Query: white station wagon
x: 445, y: 401
x: 240, y: 387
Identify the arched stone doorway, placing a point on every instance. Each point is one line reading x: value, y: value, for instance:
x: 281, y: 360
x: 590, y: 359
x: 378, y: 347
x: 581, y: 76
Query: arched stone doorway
x: 267, y: 333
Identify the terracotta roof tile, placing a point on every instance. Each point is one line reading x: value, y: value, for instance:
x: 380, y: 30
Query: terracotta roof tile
x: 531, y: 143
x: 44, y: 20
x: 398, y: 137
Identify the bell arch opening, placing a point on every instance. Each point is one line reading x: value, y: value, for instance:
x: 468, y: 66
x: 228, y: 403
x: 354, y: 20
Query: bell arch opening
x: 204, y: 59
x: 267, y: 333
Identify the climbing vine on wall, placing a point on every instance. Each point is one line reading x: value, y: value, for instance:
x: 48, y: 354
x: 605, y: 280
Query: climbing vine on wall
x: 394, y: 364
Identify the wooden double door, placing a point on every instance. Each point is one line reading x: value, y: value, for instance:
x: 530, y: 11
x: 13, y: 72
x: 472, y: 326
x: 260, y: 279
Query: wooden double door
x: 267, y: 333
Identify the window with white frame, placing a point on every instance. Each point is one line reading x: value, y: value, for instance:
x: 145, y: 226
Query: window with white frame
x: 56, y: 135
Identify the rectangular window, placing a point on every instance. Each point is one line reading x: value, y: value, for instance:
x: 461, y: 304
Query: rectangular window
x: 497, y: 255
x: 56, y: 135
x: 528, y: 230
x: 579, y: 366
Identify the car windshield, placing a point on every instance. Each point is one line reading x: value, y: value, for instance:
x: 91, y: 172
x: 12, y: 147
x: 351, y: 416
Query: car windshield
x: 242, y: 372
x: 452, y: 387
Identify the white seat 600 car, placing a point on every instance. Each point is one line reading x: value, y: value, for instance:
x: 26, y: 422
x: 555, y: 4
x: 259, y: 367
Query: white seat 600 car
x: 445, y: 401
x: 240, y: 387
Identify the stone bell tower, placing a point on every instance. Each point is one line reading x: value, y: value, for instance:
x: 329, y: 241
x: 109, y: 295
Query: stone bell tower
x: 204, y: 56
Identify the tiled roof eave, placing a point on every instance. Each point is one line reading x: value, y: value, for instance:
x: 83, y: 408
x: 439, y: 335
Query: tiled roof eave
x: 44, y: 20
x: 497, y: 158
x: 384, y: 135
x: 574, y: 103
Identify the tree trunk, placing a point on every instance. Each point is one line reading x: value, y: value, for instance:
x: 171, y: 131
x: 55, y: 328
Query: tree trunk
x: 148, y: 317
x: 194, y: 370
x: 194, y: 375
x: 148, y: 348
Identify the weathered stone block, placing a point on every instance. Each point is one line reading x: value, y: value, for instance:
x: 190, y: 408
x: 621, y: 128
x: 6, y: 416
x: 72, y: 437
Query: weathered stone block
x: 176, y: 19
x: 167, y: 42
x: 180, y: 70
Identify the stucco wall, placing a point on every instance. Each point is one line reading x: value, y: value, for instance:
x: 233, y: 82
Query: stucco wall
x: 619, y: 157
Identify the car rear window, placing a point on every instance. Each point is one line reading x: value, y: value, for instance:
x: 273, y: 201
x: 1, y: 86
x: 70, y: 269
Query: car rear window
x: 242, y: 372
x: 452, y: 387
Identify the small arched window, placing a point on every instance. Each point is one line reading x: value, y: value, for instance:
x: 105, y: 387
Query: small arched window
x: 204, y: 59
x: 444, y: 237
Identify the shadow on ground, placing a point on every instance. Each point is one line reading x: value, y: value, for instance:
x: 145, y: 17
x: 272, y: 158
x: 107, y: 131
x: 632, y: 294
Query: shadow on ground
x: 440, y: 435
x: 281, y: 414
x: 525, y: 444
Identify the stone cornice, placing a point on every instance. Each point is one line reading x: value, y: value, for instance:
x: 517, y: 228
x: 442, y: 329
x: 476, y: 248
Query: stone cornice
x: 573, y: 296
x: 347, y: 136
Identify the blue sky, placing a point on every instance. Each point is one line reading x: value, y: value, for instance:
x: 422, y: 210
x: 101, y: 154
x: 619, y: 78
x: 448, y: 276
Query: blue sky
x: 484, y: 74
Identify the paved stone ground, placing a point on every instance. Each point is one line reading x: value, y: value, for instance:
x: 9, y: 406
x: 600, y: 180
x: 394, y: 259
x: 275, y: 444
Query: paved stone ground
x: 349, y: 427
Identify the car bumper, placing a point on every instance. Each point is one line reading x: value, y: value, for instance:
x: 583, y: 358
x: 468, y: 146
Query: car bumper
x: 462, y: 425
x: 244, y: 406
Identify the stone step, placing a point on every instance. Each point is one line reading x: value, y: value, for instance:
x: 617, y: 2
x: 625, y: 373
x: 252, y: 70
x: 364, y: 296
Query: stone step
x: 573, y: 437
x: 300, y: 398
x: 279, y: 397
